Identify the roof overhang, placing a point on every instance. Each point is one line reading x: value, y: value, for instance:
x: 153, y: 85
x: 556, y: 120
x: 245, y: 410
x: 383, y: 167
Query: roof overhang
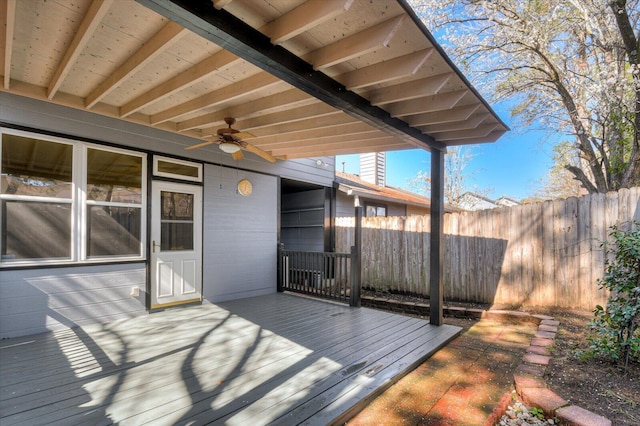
x: 308, y: 78
x: 369, y: 194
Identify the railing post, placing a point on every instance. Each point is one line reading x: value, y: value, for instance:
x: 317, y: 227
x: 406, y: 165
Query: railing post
x: 280, y: 268
x: 356, y: 260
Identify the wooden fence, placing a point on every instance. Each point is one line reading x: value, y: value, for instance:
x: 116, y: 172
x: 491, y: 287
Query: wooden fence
x: 544, y: 254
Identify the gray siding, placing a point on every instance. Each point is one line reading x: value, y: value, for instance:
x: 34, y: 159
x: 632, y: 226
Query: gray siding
x: 55, y: 118
x: 240, y: 235
x: 39, y: 300
x: 344, y: 205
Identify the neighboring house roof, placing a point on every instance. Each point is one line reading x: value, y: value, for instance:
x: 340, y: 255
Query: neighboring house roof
x: 473, y: 201
x: 353, y: 185
x: 506, y: 202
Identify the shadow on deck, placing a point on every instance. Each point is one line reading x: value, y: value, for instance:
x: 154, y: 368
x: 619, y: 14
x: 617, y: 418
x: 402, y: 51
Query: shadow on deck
x: 277, y: 359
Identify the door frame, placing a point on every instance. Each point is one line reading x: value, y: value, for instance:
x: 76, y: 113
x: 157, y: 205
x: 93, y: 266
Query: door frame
x: 154, y: 211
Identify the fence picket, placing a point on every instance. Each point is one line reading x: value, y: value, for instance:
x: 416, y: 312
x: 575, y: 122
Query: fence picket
x: 545, y: 254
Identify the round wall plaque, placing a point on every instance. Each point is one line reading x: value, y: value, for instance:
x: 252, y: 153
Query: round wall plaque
x: 245, y: 187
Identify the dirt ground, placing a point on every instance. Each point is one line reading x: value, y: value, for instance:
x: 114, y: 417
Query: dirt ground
x: 593, y: 384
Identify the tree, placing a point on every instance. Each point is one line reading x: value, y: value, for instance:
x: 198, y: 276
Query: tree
x: 572, y: 66
x: 559, y: 182
x: 456, y: 176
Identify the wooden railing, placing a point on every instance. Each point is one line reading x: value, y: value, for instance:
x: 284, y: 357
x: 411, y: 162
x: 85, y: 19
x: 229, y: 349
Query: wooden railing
x: 322, y: 274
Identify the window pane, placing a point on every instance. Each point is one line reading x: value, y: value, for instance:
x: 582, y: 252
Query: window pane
x: 176, y: 236
x: 112, y: 176
x: 177, y: 169
x: 176, y: 227
x: 37, y: 168
x: 36, y: 230
x: 113, y: 231
x: 176, y: 206
x: 375, y: 211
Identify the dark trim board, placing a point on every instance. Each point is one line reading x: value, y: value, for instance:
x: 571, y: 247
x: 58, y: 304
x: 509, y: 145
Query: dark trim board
x: 279, y: 359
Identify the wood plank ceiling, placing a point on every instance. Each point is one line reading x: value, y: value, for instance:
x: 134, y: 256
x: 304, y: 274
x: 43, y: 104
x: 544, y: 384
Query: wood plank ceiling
x: 121, y: 59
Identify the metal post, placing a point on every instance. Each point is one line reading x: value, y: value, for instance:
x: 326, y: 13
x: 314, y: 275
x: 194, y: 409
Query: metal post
x: 356, y: 260
x: 280, y: 268
x: 437, y: 238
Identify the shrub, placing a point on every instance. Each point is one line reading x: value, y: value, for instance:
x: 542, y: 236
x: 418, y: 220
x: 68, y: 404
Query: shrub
x: 616, y: 328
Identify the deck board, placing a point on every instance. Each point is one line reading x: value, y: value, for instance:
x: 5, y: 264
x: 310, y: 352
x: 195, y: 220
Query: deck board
x: 279, y: 359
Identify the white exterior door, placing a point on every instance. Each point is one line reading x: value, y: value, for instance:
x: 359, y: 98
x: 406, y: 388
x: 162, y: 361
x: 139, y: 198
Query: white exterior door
x: 176, y: 244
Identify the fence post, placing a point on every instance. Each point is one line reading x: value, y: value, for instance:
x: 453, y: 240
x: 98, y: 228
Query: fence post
x: 280, y: 268
x: 356, y: 260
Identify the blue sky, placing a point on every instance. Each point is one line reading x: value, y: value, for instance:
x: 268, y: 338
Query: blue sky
x: 512, y: 166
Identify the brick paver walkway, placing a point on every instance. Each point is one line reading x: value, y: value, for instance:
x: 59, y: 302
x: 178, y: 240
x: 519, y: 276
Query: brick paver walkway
x: 460, y: 385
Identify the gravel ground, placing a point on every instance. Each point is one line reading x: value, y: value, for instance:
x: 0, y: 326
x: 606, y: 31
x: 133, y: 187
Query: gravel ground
x: 518, y: 414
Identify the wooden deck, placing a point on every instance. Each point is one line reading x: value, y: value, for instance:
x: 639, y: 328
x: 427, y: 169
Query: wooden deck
x: 278, y: 359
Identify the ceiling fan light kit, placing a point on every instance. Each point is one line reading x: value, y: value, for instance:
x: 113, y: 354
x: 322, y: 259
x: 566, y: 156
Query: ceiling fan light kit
x: 231, y: 141
x: 229, y: 147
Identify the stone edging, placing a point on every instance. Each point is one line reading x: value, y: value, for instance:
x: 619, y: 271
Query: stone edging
x: 529, y: 376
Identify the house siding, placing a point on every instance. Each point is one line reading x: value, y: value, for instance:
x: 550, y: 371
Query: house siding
x: 240, y: 235
x: 39, y: 300
x: 345, y: 207
x: 417, y: 211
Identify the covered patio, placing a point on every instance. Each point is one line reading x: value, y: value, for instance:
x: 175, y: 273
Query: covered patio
x: 277, y: 359
x: 298, y: 79
x: 301, y: 81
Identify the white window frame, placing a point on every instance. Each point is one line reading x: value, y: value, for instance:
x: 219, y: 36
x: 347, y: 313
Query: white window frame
x: 79, y: 203
x: 156, y: 172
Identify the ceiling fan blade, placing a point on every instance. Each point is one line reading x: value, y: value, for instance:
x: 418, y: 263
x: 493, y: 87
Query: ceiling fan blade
x: 244, y: 135
x: 238, y: 155
x: 270, y: 158
x: 200, y: 145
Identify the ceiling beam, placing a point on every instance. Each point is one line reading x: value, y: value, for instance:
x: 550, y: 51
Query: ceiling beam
x: 479, y: 132
x: 8, y: 7
x: 393, y: 69
x: 283, y: 100
x: 179, y: 82
x: 357, y: 148
x: 491, y: 137
x: 310, y: 111
x: 428, y: 86
x: 357, y: 44
x: 315, y: 123
x: 314, y: 134
x: 304, y: 17
x: 438, y: 102
x: 282, y: 129
x: 232, y: 34
x: 438, y: 117
x: 355, y: 141
x: 227, y: 93
x: 220, y: 4
x: 161, y: 41
x: 292, y: 141
x: 469, y: 123
x: 89, y: 24
x: 316, y: 109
